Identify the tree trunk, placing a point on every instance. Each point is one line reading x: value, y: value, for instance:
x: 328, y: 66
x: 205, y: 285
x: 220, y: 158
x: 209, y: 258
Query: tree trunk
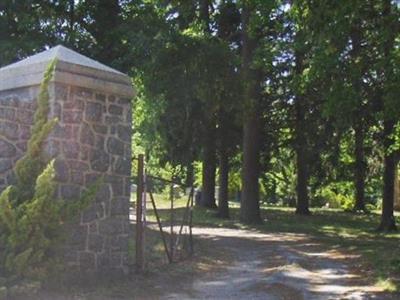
x: 189, y: 175
x: 209, y: 146
x: 360, y: 168
x: 223, y: 206
x: 388, y: 222
x: 71, y: 23
x: 360, y: 164
x: 105, y: 29
x: 302, y: 205
x: 250, y: 206
x: 209, y: 166
x: 204, y: 14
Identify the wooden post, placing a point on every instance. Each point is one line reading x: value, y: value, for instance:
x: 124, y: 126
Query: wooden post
x: 139, y: 216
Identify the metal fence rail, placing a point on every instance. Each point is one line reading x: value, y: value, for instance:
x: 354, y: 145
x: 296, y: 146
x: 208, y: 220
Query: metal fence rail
x: 177, y: 244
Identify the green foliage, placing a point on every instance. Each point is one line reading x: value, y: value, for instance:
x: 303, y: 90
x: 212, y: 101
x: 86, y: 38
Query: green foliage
x: 30, y: 214
x: 341, y: 58
x: 234, y: 184
x: 32, y: 228
x: 396, y: 138
x: 281, y: 178
x: 73, y: 208
x: 371, y: 207
x: 334, y: 196
x: 198, y: 168
x: 33, y: 162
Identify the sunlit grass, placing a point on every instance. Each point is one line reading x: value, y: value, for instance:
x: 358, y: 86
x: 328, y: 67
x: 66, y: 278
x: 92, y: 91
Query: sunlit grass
x: 387, y: 285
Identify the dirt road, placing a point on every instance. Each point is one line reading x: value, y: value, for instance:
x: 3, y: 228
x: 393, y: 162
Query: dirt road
x: 245, y: 264
x: 254, y: 265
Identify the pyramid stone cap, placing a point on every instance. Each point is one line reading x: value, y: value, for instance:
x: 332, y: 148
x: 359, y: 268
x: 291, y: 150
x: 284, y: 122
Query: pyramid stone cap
x: 72, y: 68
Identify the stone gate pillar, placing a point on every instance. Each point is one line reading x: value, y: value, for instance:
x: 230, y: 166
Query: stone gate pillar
x: 92, y: 138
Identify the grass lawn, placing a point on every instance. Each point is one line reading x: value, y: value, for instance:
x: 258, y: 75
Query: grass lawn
x: 379, y: 254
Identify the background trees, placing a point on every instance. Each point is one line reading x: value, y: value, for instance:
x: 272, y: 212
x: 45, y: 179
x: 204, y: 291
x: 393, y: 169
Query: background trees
x: 289, y: 102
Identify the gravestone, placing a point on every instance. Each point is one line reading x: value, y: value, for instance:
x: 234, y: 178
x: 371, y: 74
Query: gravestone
x: 92, y: 139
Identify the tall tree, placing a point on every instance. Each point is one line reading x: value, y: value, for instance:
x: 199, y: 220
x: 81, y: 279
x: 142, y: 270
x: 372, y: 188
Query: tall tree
x: 250, y: 206
x: 359, y: 120
x: 21, y: 31
x: 301, y: 106
x: 209, y: 162
x: 209, y: 133
x: 103, y: 20
x: 227, y: 22
x: 390, y: 31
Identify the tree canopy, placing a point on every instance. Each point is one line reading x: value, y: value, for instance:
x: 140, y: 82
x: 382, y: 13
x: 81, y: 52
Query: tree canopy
x: 288, y: 102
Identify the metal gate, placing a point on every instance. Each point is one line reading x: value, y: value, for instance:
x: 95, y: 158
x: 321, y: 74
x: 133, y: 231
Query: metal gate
x: 174, y: 223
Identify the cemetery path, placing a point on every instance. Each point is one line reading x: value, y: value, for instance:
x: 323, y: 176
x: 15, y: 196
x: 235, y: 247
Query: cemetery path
x: 246, y: 264
x: 249, y: 264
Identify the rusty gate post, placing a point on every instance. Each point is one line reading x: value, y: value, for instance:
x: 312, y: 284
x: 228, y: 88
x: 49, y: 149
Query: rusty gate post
x: 139, y: 216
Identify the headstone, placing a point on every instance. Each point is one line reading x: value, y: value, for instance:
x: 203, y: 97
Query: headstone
x: 92, y: 139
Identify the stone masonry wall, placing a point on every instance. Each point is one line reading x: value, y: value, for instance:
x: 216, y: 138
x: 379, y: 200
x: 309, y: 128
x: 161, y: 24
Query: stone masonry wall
x: 91, y: 139
x: 17, y: 108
